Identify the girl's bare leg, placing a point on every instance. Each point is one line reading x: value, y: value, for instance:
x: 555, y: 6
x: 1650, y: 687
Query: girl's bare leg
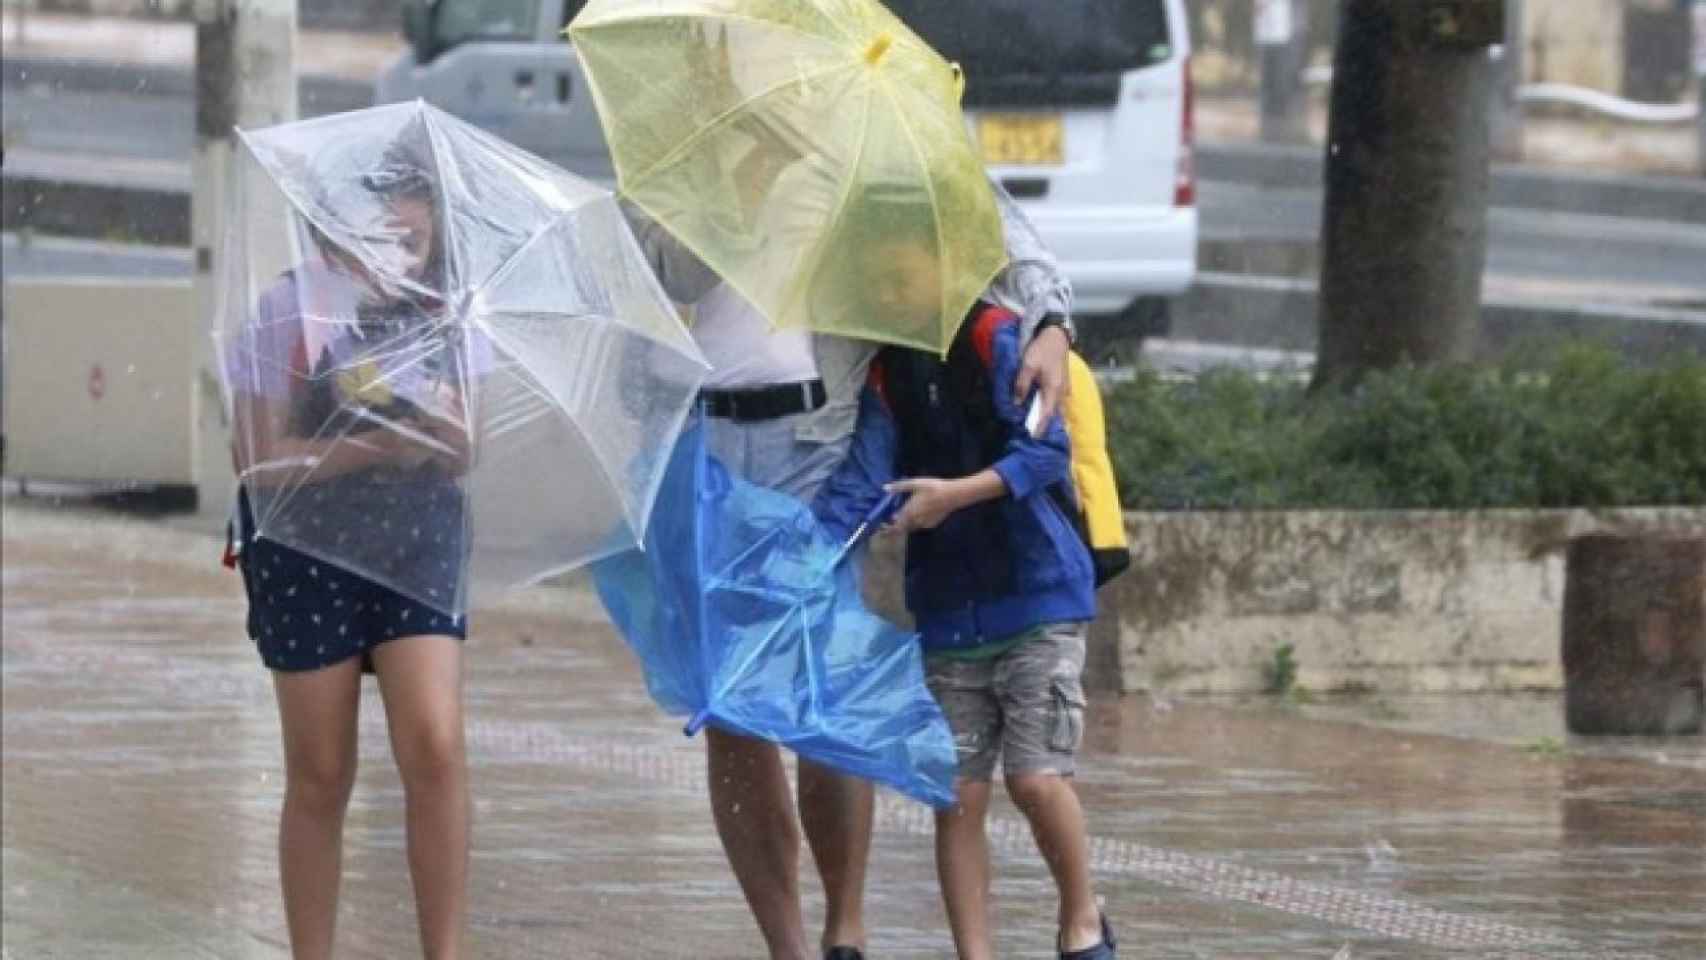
x: 421, y: 681
x: 318, y: 711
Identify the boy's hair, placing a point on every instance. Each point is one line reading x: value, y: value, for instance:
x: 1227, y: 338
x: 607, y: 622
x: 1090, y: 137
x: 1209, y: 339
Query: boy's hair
x: 884, y: 214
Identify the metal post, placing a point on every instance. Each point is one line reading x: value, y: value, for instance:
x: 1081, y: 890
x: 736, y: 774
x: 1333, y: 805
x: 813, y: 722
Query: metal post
x: 1506, y: 108
x: 1282, y: 38
x: 245, y: 75
x: 1700, y: 81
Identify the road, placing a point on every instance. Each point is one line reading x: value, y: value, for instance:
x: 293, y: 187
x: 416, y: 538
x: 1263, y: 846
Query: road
x: 1618, y: 258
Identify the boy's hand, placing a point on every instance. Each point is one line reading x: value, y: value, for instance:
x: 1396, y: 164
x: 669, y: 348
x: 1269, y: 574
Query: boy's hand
x: 929, y: 501
x: 1044, y: 367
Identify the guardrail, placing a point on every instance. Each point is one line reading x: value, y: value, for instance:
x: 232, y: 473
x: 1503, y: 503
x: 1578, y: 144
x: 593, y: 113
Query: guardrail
x: 1585, y: 98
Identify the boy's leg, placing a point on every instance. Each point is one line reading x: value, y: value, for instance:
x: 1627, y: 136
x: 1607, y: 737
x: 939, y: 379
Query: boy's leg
x: 962, y: 867
x: 836, y: 811
x: 1040, y: 686
x: 1050, y: 803
x: 754, y: 812
x: 317, y: 710
x: 965, y: 690
x: 420, y: 679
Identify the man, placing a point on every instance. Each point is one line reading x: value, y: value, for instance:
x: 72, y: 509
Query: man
x: 780, y: 409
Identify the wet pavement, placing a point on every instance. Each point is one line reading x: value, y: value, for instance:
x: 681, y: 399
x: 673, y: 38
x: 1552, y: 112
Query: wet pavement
x: 141, y: 790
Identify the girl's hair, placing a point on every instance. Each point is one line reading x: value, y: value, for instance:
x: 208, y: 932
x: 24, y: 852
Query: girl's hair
x: 397, y: 179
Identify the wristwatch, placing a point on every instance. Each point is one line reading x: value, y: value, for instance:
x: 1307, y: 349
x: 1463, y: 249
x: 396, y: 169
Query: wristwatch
x: 1052, y: 319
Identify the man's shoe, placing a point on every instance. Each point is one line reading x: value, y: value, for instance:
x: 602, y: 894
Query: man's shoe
x: 843, y: 953
x: 1101, y: 951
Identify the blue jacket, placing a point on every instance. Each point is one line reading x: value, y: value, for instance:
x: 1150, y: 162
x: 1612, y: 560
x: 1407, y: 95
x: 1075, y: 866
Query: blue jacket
x: 995, y: 569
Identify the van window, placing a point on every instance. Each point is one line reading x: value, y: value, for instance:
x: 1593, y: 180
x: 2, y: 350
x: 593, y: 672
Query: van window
x: 459, y: 21
x: 1061, y: 51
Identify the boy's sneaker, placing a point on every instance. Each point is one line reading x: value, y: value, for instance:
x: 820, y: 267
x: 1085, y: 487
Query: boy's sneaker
x: 843, y: 953
x: 1101, y: 951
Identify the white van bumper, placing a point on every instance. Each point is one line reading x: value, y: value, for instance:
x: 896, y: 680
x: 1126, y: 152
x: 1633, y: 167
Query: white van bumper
x: 1115, y: 255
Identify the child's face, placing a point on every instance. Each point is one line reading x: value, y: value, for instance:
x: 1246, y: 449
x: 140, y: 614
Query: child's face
x: 905, y: 282
x: 399, y: 248
x: 411, y: 223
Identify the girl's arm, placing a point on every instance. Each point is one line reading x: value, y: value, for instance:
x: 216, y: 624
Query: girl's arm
x: 271, y: 456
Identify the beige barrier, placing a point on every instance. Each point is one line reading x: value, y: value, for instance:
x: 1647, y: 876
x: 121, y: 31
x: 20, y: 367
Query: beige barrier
x: 99, y: 380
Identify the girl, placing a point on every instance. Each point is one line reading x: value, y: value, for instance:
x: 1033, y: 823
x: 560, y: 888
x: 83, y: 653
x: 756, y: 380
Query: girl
x: 347, y: 401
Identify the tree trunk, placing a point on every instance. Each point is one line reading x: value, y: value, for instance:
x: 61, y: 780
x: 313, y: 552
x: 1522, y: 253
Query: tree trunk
x: 1634, y: 635
x: 1403, y: 230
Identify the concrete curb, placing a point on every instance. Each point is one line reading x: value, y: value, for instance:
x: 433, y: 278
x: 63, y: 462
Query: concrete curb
x: 1223, y: 308
x: 1675, y: 199
x: 1279, y: 313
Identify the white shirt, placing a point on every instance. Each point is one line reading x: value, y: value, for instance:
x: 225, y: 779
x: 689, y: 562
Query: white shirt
x: 743, y: 349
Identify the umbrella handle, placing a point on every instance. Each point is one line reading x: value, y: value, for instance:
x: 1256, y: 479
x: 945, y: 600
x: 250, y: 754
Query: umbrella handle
x: 878, y: 515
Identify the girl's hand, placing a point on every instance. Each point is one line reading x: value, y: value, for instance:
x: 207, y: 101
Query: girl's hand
x: 453, y: 453
x: 391, y: 446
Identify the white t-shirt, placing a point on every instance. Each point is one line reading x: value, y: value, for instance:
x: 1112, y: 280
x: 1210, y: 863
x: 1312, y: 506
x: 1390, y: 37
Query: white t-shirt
x: 742, y: 347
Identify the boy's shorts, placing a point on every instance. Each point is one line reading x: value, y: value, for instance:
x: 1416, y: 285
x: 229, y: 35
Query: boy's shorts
x: 1024, y: 707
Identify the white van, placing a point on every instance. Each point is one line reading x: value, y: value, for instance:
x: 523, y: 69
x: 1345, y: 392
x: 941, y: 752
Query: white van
x: 1082, y: 109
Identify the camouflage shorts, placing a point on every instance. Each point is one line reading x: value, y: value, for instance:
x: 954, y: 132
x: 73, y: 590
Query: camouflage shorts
x: 1024, y: 707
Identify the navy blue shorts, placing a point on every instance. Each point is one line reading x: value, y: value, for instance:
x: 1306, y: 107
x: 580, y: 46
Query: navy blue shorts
x: 305, y: 613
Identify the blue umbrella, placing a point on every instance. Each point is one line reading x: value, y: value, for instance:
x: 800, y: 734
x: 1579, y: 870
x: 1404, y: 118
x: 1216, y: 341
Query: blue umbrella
x: 744, y: 615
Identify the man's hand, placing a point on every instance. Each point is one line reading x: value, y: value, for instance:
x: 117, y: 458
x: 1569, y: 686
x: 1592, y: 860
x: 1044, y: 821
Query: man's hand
x: 1044, y: 367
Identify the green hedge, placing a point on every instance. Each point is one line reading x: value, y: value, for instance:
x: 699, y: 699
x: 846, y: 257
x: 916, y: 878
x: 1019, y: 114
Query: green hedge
x: 1578, y: 427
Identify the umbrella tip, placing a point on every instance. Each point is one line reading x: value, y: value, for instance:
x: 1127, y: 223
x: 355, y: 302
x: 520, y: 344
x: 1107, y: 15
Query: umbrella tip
x: 697, y: 722
x: 880, y: 46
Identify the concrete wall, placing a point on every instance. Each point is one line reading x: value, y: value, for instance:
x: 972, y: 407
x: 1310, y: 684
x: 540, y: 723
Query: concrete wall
x: 1402, y: 602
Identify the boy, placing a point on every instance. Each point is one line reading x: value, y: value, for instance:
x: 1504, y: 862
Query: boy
x: 997, y: 578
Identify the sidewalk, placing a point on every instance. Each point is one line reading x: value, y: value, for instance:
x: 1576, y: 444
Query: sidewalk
x: 141, y: 786
x: 160, y: 43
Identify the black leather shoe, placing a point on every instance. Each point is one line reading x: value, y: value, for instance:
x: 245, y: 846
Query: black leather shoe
x: 843, y: 953
x: 1101, y: 951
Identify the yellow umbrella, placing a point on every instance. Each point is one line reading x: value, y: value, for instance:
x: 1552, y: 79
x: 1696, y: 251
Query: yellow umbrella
x: 812, y: 152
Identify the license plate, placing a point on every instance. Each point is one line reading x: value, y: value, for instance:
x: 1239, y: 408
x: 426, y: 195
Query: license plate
x: 1022, y: 139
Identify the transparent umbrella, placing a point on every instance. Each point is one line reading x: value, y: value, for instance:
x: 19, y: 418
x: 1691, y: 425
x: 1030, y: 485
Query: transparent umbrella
x: 449, y: 365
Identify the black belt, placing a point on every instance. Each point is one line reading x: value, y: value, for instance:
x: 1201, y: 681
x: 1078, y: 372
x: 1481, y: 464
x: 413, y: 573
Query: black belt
x: 764, y: 403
